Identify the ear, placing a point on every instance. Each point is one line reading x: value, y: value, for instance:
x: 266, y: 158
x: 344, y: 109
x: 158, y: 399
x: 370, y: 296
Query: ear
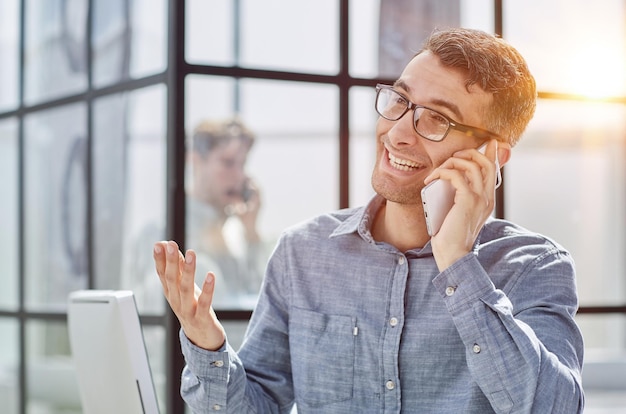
x: 504, y: 153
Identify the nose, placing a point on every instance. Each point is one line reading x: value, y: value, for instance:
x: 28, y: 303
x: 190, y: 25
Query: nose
x: 402, y: 133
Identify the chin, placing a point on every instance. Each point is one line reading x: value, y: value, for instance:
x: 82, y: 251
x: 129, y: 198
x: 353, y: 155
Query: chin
x: 394, y: 193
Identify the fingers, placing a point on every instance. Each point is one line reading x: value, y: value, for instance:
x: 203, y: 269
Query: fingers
x: 469, y: 170
x: 159, y: 262
x: 205, y: 298
x: 187, y: 285
x: 176, y: 274
x: 191, y: 304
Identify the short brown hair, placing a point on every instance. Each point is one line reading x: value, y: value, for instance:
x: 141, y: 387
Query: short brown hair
x: 496, y: 67
x: 209, y: 135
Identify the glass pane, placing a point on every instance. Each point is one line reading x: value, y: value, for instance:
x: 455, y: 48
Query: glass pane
x: 56, y: 49
x: 566, y: 179
x: 604, y: 371
x: 278, y: 115
x: 51, y: 381
x: 267, y: 34
x: 109, y: 182
x: 55, y: 204
x: 9, y: 366
x: 296, y: 162
x: 129, y: 39
x: 235, y: 331
x: 9, y: 215
x: 198, y: 45
x: 385, y: 34
x: 363, y: 119
x: 9, y: 54
x: 275, y: 35
x: 155, y: 340
x: 212, y: 96
x: 130, y: 192
x: 572, y: 46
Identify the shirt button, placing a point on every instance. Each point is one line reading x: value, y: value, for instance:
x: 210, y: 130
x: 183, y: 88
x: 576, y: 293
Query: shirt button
x: 401, y: 260
x: 217, y: 407
x: 450, y: 290
x: 390, y: 385
x: 219, y: 364
x: 393, y: 321
x: 476, y: 348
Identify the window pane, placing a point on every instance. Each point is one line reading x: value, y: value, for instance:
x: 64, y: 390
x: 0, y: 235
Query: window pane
x: 210, y: 19
x: 208, y: 96
x: 292, y: 165
x: 566, y: 179
x: 269, y: 34
x: 129, y: 39
x: 109, y: 187
x: 276, y: 34
x: 55, y: 200
x: 9, y: 366
x: 9, y: 216
x: 56, y: 49
x: 385, y: 34
x: 9, y: 54
x: 129, y: 156
x: 362, y: 144
x: 51, y: 380
x: 296, y: 160
x: 604, y: 371
x: 574, y: 46
x: 155, y: 340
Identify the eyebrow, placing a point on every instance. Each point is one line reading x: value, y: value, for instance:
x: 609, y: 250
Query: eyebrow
x: 440, y: 102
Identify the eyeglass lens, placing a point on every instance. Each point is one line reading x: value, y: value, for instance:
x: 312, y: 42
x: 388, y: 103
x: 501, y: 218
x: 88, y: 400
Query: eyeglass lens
x: 428, y: 123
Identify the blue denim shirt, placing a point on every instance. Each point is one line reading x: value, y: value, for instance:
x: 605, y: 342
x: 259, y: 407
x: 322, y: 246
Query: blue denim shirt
x: 345, y: 324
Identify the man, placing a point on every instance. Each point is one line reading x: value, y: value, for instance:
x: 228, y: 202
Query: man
x: 221, y: 224
x: 219, y: 191
x: 362, y: 311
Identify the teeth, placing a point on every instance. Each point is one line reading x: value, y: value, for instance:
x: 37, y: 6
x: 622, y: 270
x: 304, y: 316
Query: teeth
x: 404, y: 165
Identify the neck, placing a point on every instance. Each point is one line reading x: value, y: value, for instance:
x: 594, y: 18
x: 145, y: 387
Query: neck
x: 400, y: 225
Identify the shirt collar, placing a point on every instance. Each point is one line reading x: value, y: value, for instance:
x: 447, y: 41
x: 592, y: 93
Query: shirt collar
x: 361, y: 221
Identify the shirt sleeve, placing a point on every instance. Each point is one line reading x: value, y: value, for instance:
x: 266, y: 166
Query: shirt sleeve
x: 205, y: 377
x: 217, y: 381
x: 523, y: 347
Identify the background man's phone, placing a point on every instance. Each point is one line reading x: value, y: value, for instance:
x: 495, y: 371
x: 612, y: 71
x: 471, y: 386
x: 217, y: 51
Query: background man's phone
x: 247, y: 191
x: 437, y: 200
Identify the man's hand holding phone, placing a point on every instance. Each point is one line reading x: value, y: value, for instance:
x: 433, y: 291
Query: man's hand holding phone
x: 458, y: 198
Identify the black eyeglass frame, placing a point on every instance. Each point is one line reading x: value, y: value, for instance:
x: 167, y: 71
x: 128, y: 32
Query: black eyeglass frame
x: 469, y: 131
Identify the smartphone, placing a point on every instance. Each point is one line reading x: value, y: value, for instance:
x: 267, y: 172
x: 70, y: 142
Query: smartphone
x: 247, y: 191
x: 437, y: 200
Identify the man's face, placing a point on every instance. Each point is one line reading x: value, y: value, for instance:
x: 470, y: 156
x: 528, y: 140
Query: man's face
x: 219, y: 176
x: 403, y: 158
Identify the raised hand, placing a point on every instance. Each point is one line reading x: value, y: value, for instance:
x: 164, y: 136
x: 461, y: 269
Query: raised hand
x: 191, y: 304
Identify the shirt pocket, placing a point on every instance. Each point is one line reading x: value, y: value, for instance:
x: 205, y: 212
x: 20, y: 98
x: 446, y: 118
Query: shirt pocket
x: 322, y: 356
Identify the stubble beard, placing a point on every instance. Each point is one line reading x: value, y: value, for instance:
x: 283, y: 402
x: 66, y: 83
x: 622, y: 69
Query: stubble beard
x: 385, y: 187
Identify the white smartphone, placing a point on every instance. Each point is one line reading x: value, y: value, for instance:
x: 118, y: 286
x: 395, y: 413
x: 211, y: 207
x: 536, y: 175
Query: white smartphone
x: 437, y: 200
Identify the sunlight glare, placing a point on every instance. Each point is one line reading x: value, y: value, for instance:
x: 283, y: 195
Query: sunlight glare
x: 597, y: 72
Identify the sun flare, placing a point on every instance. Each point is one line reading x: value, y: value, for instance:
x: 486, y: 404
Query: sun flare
x: 597, y: 72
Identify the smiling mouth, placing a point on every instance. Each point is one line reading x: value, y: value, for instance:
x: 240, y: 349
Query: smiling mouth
x: 403, y: 165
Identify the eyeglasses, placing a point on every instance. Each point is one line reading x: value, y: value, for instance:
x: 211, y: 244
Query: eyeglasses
x: 428, y: 123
